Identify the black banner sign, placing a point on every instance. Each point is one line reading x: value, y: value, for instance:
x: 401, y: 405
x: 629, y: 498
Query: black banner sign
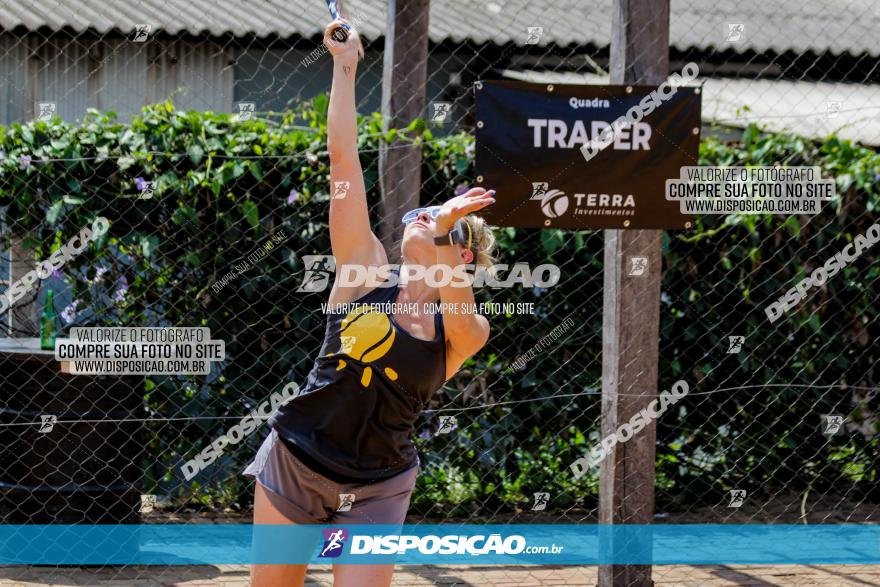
x: 543, y: 149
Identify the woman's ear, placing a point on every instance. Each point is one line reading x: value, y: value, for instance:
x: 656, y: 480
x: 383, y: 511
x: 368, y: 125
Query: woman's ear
x: 467, y: 256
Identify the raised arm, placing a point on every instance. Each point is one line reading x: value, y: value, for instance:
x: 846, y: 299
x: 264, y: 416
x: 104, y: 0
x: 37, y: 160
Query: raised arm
x: 466, y: 332
x: 351, y: 237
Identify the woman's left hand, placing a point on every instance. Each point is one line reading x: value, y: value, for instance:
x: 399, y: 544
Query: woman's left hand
x: 460, y: 206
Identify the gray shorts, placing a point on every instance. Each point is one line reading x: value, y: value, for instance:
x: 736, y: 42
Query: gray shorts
x: 305, y: 497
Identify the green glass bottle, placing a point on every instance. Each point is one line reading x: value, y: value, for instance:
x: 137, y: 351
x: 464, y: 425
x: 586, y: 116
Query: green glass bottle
x: 48, y: 323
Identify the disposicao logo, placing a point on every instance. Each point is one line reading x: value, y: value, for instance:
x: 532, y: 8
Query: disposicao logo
x: 334, y: 542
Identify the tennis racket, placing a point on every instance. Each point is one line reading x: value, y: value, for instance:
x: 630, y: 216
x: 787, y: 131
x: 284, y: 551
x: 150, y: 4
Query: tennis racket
x: 340, y: 33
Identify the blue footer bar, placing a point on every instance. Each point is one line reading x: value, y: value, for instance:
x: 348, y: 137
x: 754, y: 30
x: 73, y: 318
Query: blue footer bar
x: 516, y: 544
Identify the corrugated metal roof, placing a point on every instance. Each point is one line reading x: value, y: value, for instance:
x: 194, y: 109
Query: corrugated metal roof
x: 797, y: 25
x: 809, y: 109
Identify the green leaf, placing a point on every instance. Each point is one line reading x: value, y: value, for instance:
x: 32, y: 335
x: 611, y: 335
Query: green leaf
x: 101, y: 240
x: 196, y: 153
x: 149, y: 244
x: 418, y: 126
x: 54, y: 211
x: 183, y: 215
x: 191, y: 258
x: 251, y: 213
x: 125, y: 162
x: 256, y: 169
x: 73, y: 185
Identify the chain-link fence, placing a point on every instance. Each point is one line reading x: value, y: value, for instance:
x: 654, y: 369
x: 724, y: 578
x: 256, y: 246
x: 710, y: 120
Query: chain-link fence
x: 213, y: 175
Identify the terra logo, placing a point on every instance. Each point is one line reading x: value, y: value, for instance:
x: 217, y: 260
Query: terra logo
x: 334, y: 542
x: 554, y: 203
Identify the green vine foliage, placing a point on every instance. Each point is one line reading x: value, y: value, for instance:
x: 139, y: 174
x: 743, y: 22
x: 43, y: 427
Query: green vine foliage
x: 223, y: 187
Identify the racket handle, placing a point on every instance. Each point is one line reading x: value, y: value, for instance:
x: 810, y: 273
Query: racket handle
x: 339, y: 34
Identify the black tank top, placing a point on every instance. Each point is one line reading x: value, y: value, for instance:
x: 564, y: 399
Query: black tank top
x: 354, y: 419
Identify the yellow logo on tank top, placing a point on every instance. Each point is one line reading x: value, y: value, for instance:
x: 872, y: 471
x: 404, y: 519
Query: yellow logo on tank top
x: 366, y: 336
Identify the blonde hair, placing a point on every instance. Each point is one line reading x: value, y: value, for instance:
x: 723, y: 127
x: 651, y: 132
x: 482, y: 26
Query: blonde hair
x: 483, y: 243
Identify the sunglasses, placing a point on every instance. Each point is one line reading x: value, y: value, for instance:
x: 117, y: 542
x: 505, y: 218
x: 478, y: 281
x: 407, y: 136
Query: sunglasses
x: 413, y: 215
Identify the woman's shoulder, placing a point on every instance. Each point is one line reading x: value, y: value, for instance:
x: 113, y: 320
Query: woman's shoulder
x: 369, y: 293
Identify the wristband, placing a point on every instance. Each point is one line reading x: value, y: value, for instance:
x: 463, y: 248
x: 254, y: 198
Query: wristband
x: 460, y: 234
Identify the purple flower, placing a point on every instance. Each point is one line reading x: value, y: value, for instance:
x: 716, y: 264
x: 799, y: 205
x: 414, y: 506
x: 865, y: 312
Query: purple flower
x: 877, y: 174
x: 69, y: 313
x: 140, y: 183
x: 293, y: 196
x: 99, y: 274
x: 460, y: 189
x: 24, y: 162
x: 469, y: 150
x: 57, y: 274
x: 119, y: 296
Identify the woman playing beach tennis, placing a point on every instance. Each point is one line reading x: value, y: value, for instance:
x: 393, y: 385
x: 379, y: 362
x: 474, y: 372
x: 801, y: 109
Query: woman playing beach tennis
x: 342, y: 451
